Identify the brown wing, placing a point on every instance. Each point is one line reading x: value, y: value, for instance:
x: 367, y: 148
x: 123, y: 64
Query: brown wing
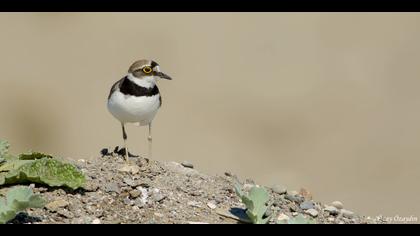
x: 115, y: 87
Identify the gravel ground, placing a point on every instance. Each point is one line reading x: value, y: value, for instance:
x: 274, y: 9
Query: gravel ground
x: 155, y: 192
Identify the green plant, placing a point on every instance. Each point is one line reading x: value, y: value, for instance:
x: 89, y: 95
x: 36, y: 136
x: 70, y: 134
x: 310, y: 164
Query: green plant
x: 299, y: 219
x: 17, y: 200
x: 255, y: 202
x: 35, y: 167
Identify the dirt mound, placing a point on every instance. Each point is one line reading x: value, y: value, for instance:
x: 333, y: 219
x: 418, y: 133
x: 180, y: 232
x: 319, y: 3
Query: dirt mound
x: 146, y: 191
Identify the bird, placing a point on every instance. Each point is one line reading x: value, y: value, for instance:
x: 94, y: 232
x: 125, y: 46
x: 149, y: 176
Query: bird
x: 136, y: 98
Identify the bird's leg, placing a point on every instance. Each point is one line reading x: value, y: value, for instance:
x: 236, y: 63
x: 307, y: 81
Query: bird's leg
x: 150, y: 140
x: 125, y: 142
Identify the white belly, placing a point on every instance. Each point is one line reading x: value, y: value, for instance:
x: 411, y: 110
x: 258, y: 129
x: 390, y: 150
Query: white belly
x: 132, y: 109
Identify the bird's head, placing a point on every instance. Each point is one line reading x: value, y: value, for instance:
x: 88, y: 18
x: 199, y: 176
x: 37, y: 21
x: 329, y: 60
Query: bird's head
x: 146, y: 73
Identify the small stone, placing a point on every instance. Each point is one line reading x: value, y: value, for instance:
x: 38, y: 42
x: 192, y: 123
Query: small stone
x: 139, y: 203
x: 112, y: 187
x: 130, y: 182
x: 96, y: 221
x: 133, y: 169
x: 312, y: 212
x: 32, y: 186
x: 65, y: 213
x: 337, y: 205
x: 212, y: 205
x: 280, y: 189
x: 55, y: 205
x: 283, y: 217
x: 158, y: 215
x: 294, y: 208
x: 306, y: 205
x: 294, y: 198
x: 127, y: 201
x: 332, y: 210
x: 91, y: 187
x: 187, y: 164
x: 193, y: 204
x: 158, y: 197
x: 347, y: 214
x: 331, y: 219
x: 135, y: 193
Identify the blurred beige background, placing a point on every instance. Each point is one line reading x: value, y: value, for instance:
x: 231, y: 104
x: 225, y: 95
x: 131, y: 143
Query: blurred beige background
x: 329, y: 102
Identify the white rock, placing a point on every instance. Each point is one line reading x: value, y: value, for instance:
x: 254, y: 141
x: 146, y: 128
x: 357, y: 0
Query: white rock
x: 282, y: 217
x: 337, y: 205
x: 312, y: 212
x: 347, y: 213
x: 158, y: 215
x: 96, y: 221
x: 212, y: 205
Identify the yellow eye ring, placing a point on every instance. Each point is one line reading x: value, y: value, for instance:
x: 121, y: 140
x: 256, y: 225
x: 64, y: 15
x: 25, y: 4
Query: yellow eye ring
x: 147, y: 70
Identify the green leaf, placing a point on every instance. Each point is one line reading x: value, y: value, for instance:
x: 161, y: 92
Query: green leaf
x: 46, y: 171
x: 255, y: 202
x: 33, y: 156
x: 10, y: 165
x: 18, y: 199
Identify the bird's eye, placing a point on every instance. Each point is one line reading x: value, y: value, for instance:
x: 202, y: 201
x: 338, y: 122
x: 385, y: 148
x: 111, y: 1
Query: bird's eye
x: 147, y: 70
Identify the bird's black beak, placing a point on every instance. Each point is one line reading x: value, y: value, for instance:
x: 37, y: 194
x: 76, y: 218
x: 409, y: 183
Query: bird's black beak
x: 163, y: 75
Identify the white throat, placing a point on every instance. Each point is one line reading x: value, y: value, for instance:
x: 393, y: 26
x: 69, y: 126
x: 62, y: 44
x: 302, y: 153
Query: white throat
x: 147, y: 82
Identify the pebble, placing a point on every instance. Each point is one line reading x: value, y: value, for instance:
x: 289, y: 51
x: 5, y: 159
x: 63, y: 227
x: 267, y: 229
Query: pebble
x: 337, y: 205
x: 346, y: 213
x: 280, y: 189
x: 282, y: 217
x: 130, y: 182
x: 187, y: 164
x: 193, y: 204
x: 135, y: 193
x: 294, y: 198
x: 65, y: 213
x: 127, y: 201
x: 332, y: 210
x: 55, y: 205
x: 112, y: 187
x: 306, y: 205
x: 158, y: 197
x: 158, y: 215
x: 133, y: 169
x: 139, y: 203
x: 312, y: 212
x: 91, y: 187
x: 96, y: 221
x: 212, y: 205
